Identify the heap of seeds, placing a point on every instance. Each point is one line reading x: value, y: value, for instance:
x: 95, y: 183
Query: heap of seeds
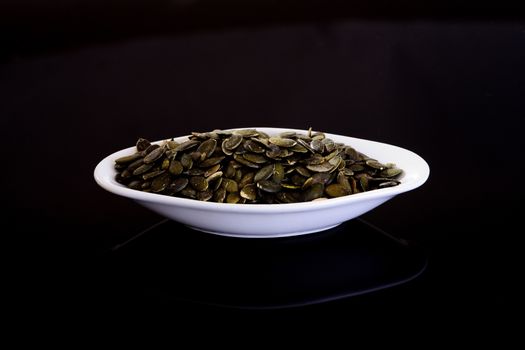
x: 249, y: 166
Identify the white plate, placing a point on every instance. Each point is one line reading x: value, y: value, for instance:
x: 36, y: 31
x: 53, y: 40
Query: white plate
x: 274, y: 220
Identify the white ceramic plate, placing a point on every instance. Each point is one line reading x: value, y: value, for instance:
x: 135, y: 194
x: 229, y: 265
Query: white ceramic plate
x: 274, y: 220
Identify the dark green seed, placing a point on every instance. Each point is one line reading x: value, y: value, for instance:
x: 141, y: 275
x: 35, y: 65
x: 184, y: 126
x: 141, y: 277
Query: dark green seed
x: 255, y: 158
x: 160, y: 183
x: 199, y: 183
x: 142, y: 169
x: 232, y: 143
x: 186, y: 145
x: 342, y: 180
x: 230, y: 185
x: 269, y: 186
x: 220, y: 195
x: 189, y: 192
x: 233, y: 198
x: 391, y: 172
x: 207, y: 147
x: 165, y: 164
x: 213, y: 177
x: 313, y: 192
x: 254, y: 147
x: 212, y: 170
x: 131, y: 168
x: 363, y: 181
x: 273, y: 152
x: 375, y: 164
x: 135, y: 184
x: 176, y: 167
x: 150, y: 149
x: 178, y: 184
x: 265, y: 173
x: 336, y: 190
x: 240, y: 159
x: 195, y: 172
x: 357, y: 168
x: 186, y: 161
x: 278, y: 173
x: 303, y: 171
x: 142, y: 144
x: 152, y: 174
x: 246, y: 179
x: 154, y: 155
x: 211, y: 162
x: 249, y: 192
x: 128, y: 159
x: 204, y: 195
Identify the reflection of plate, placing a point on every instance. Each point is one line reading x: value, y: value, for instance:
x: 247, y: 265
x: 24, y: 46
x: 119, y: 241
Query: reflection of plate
x: 275, y: 220
x: 171, y: 261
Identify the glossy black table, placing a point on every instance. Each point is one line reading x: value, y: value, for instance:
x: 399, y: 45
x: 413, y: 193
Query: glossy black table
x: 169, y: 261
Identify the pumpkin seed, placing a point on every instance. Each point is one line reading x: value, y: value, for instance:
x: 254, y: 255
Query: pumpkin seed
x: 269, y: 186
x: 249, y: 192
x: 199, y: 183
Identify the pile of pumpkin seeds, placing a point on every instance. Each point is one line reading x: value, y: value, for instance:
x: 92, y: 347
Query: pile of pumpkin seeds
x: 249, y: 166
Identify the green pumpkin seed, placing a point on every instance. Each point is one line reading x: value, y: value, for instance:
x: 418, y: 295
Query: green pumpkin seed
x: 239, y: 158
x: 199, y: 183
x: 230, y: 185
x: 186, y: 146
x: 189, y: 192
x: 246, y: 132
x: 249, y: 192
x: 142, y: 144
x: 336, y: 190
x: 278, y: 173
x: 214, y: 169
x: 255, y: 158
x: 186, y: 161
x: 254, y: 147
x: 142, y: 169
x: 246, y: 179
x: 282, y: 142
x: 178, y: 184
x: 219, y: 195
x: 204, y: 195
x: 135, y: 185
x: 321, y: 168
x: 233, y: 198
x: 231, y: 143
x: 207, y: 147
x: 152, y: 174
x: 391, y: 172
x: 211, y: 162
x: 269, y: 186
x: 273, y: 151
x: 160, y: 183
x: 176, y: 167
x: 313, y: 192
x: 264, y: 173
x: 375, y: 164
x: 128, y: 159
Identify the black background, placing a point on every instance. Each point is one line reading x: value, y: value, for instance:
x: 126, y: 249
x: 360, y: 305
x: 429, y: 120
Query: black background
x: 80, y: 80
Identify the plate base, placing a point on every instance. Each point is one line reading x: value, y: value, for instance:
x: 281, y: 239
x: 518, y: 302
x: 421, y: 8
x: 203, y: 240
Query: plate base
x: 240, y: 235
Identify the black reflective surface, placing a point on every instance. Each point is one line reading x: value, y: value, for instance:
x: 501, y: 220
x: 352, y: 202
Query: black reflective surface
x: 172, y: 262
